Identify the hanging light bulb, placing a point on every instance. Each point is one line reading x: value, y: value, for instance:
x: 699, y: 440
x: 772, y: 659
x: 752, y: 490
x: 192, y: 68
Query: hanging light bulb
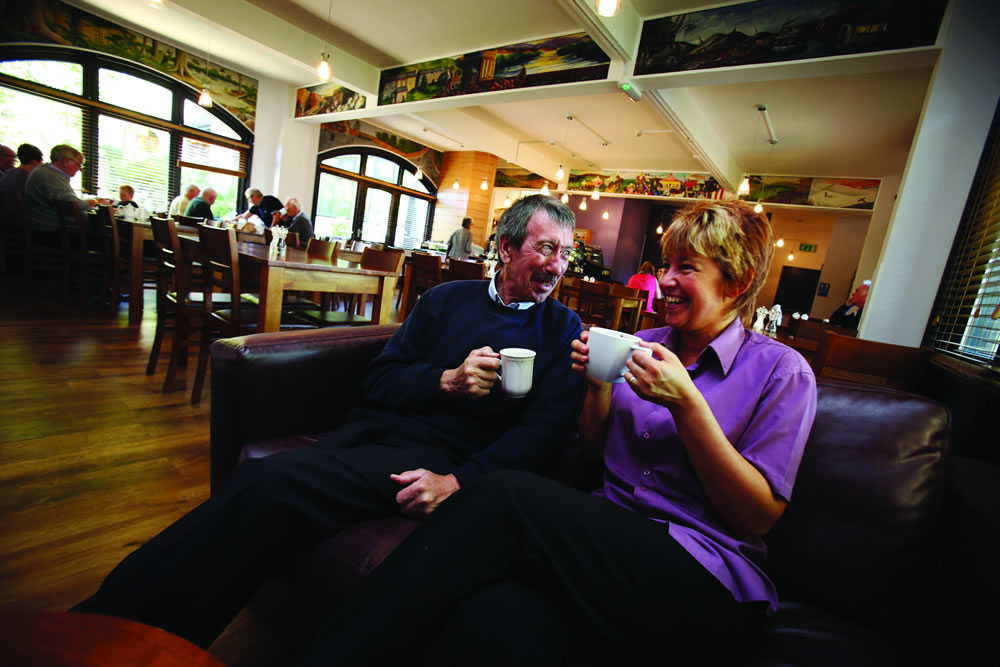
x: 605, y: 214
x: 323, y: 68
x: 780, y: 243
x: 659, y: 229
x: 205, y: 99
x: 419, y: 174
x: 455, y: 186
x: 744, y: 188
x: 608, y: 7
x: 595, y: 195
x: 560, y: 174
x: 583, y: 203
x: 791, y: 257
x: 545, y: 189
x: 506, y: 201
x: 484, y: 185
x: 565, y: 198
x: 758, y: 208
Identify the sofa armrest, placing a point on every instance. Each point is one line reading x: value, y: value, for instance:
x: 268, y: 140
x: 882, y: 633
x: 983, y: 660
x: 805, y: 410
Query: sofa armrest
x: 274, y: 385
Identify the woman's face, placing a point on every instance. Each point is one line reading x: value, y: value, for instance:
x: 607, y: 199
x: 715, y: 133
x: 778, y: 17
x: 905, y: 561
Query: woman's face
x: 694, y: 295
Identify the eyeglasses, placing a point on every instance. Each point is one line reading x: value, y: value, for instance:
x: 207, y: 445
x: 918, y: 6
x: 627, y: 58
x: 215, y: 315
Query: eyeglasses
x: 78, y: 163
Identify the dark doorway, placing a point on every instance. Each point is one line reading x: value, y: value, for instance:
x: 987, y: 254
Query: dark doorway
x: 659, y: 217
x: 796, y: 289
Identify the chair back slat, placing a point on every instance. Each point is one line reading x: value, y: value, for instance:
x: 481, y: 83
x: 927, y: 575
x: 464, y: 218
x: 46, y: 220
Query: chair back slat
x: 323, y: 249
x: 594, y: 305
x: 382, y: 260
x: 220, y: 267
x: 459, y: 269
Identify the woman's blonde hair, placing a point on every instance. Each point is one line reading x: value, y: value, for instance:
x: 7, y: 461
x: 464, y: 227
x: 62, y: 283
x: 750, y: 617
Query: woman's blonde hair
x: 730, y: 234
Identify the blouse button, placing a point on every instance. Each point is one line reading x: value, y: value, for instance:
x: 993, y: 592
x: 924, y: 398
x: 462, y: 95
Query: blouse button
x: 645, y: 434
x: 646, y: 473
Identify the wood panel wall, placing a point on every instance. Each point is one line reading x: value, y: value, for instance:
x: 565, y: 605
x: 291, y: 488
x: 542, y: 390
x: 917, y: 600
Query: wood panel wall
x: 469, y: 168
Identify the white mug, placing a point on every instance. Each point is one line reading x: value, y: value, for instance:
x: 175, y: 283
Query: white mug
x: 516, y: 367
x: 609, y: 351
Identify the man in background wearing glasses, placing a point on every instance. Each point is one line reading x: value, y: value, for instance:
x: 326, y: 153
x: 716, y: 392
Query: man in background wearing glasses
x: 50, y: 183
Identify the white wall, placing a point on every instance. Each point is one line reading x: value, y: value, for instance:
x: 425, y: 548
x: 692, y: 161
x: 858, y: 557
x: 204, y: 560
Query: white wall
x: 840, y: 266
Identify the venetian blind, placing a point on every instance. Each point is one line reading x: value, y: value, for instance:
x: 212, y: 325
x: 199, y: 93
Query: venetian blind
x: 198, y: 153
x: 966, y: 319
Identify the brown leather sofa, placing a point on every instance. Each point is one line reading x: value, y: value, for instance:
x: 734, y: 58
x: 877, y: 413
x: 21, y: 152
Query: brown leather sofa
x: 883, y: 554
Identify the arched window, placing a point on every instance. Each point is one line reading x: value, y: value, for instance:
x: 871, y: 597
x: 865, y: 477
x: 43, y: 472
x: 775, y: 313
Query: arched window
x: 134, y: 126
x: 373, y: 195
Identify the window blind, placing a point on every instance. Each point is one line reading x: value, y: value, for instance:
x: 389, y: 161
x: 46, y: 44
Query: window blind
x: 966, y: 317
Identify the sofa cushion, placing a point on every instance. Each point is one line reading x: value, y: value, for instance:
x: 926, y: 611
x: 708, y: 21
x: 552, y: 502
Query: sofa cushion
x: 857, y: 537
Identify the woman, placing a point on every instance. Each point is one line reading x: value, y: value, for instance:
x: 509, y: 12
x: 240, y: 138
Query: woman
x: 646, y: 280
x: 664, y: 561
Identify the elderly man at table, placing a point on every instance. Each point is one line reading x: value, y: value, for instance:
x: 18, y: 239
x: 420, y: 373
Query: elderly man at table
x: 201, y: 206
x: 13, y: 180
x: 7, y: 156
x: 433, y: 419
x: 50, y: 183
x: 294, y: 219
x: 261, y: 205
x: 179, y: 205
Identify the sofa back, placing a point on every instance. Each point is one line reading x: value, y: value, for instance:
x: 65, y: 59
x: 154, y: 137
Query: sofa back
x: 858, y: 535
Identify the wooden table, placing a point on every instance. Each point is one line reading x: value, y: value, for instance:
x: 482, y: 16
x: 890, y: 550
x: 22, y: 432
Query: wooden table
x: 295, y: 270
x: 57, y: 639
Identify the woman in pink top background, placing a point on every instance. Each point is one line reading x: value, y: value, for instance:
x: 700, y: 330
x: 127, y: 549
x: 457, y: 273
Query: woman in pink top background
x: 645, y: 279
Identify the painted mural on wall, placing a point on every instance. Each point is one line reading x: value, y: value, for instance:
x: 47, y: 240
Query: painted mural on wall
x: 326, y: 98
x: 542, y: 62
x: 780, y: 30
x: 360, y: 133
x: 34, y: 21
x: 855, y: 193
x: 515, y: 177
x: 653, y: 184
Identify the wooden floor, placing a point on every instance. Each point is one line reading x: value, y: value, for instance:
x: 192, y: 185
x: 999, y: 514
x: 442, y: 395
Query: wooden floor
x: 94, y: 460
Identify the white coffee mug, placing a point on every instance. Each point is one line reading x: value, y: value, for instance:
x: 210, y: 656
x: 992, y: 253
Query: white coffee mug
x: 516, y: 367
x: 609, y: 351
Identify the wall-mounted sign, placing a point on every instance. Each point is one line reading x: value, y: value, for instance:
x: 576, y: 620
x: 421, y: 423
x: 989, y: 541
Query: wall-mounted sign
x: 823, y: 290
x: 807, y: 247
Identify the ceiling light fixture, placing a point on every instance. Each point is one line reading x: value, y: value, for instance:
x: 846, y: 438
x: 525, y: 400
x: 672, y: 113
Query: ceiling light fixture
x: 418, y: 174
x: 155, y: 4
x: 205, y: 99
x: 605, y: 214
x: 608, y: 7
x: 506, y: 201
x: 791, y: 257
x: 780, y: 243
x: 762, y: 108
x: 565, y: 198
x: 455, y: 185
x: 659, y: 228
x: 629, y: 89
x: 595, y: 195
x: 323, y: 68
x: 560, y: 174
x: 484, y: 185
x: 744, y: 188
x: 583, y: 203
x: 759, y: 208
x: 545, y: 189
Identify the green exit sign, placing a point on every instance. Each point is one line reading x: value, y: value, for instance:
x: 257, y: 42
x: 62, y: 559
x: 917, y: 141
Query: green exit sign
x: 807, y: 247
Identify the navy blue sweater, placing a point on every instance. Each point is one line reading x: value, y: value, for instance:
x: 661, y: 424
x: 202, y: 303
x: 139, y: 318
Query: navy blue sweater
x: 495, y: 431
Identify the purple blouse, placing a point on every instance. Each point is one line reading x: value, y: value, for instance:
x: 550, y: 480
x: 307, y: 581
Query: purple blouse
x: 763, y: 395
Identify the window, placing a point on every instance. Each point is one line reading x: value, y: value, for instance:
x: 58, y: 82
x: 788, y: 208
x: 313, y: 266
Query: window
x: 373, y: 195
x: 134, y: 126
x: 966, y: 319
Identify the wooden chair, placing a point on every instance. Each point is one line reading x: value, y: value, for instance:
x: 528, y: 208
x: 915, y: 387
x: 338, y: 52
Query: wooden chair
x: 88, y: 252
x: 652, y: 320
x: 176, y: 309
x: 50, y: 259
x: 323, y: 249
x: 120, y: 262
x: 189, y: 221
x: 425, y: 273
x: 568, y: 292
x: 376, y: 260
x: 635, y: 303
x: 869, y: 362
x: 594, y: 305
x: 459, y: 269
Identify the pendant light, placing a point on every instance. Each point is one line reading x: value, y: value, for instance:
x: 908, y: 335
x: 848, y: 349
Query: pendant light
x: 595, y: 195
x: 605, y: 215
x: 759, y: 208
x: 545, y: 189
x: 565, y: 198
x: 608, y: 7
x: 506, y: 201
x: 205, y: 99
x: 484, y: 185
x: 780, y: 243
x: 419, y: 174
x: 323, y: 68
x: 560, y: 174
x: 583, y: 203
x: 455, y: 186
x: 659, y: 228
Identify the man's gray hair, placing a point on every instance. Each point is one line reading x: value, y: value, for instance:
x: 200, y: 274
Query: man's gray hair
x: 253, y: 191
x: 514, y: 221
x: 62, y: 152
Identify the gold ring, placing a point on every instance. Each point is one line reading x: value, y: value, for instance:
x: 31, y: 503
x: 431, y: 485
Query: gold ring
x: 631, y: 380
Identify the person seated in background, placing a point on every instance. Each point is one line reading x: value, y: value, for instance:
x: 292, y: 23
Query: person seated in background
x: 460, y: 243
x: 13, y: 180
x: 201, y: 206
x: 179, y: 205
x: 294, y: 220
x: 647, y: 281
x: 664, y: 562
x: 125, y: 195
x: 433, y: 420
x: 50, y: 183
x: 261, y: 205
x: 7, y: 156
x: 849, y: 314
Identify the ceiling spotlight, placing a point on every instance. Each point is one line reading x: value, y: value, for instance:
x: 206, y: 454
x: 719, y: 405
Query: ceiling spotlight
x: 780, y: 243
x: 560, y: 174
x: 455, y: 186
x: 545, y: 189
x: 608, y: 7
x: 565, y: 198
x: 583, y: 203
x: 605, y: 214
x: 484, y: 185
x: 629, y: 89
x: 595, y: 195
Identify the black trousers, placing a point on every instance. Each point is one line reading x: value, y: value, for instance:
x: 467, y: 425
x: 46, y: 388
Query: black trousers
x: 520, y: 570
x: 196, y: 575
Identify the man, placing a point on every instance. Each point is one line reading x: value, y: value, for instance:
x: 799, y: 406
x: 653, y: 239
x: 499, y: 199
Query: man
x: 433, y: 419
x: 13, y: 180
x: 294, y: 219
x: 460, y: 243
x: 261, y: 205
x: 849, y: 315
x: 201, y: 206
x: 50, y: 183
x: 179, y: 205
x: 7, y: 156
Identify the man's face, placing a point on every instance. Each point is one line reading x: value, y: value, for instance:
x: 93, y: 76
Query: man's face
x: 193, y: 192
x: 71, y: 166
x: 255, y: 199
x: 292, y: 209
x: 531, y: 272
x: 7, y: 157
x: 859, y: 296
x: 210, y: 197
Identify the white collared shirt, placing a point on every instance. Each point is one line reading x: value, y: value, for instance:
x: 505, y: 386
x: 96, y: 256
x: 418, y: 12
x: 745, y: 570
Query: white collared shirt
x: 519, y: 305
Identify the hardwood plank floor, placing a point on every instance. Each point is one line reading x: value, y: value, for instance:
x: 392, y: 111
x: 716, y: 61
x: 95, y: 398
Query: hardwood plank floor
x: 94, y: 460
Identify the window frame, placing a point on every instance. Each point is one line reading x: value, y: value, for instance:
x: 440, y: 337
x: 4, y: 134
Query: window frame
x: 91, y: 108
x: 366, y: 183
